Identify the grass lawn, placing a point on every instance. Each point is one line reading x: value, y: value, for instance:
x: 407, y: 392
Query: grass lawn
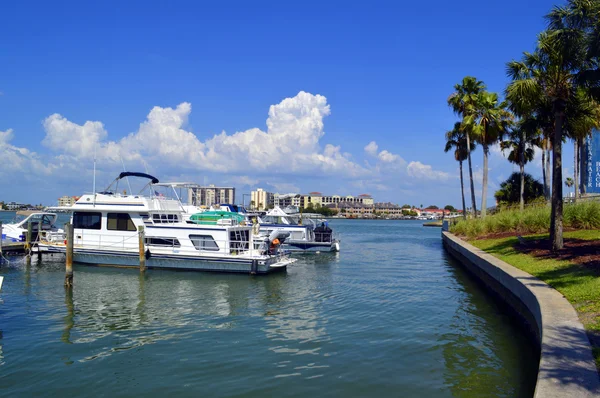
x: 577, y: 280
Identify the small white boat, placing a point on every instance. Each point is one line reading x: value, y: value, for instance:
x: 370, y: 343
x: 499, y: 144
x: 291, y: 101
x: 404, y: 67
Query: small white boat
x: 1, y: 280
x: 106, y: 233
x: 17, y: 230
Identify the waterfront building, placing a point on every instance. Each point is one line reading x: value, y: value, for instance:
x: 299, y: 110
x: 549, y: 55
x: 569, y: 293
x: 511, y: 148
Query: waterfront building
x: 15, y: 206
x: 289, y: 199
x: 317, y: 199
x: 67, y: 201
x: 261, y: 199
x: 210, y: 195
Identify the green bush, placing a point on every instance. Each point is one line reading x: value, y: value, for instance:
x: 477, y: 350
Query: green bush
x: 534, y: 219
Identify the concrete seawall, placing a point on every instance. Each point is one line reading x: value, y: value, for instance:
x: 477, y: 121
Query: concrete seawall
x: 567, y: 367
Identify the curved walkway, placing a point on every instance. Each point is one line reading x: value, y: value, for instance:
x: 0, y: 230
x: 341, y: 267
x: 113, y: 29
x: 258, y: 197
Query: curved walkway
x: 567, y: 367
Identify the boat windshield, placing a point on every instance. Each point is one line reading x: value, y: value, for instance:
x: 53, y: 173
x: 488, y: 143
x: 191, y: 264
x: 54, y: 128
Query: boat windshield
x: 287, y: 220
x: 46, y: 219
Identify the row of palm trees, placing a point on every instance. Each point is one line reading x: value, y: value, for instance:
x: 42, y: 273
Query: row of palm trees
x: 554, y: 94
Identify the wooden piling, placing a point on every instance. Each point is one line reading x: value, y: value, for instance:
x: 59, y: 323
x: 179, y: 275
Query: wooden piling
x: 69, y: 260
x: 39, y: 238
x: 141, y: 237
x: 1, y: 254
x: 28, y: 243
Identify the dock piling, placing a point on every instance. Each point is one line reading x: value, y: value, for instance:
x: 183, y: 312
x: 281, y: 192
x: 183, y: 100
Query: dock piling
x: 38, y: 239
x: 69, y: 259
x: 28, y: 242
x: 142, y: 248
x: 1, y: 254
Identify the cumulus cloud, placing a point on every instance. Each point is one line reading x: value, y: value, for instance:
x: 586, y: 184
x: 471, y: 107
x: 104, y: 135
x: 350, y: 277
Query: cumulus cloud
x: 19, y: 162
x: 289, y: 145
x: 424, y: 171
x: 372, y: 148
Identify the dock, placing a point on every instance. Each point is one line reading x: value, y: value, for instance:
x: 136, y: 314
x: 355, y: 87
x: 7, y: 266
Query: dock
x: 10, y: 247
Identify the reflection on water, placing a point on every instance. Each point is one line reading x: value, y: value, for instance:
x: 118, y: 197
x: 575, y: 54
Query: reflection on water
x: 380, y: 318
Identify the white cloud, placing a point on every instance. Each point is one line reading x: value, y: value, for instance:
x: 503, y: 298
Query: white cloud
x: 371, y: 148
x: 290, y: 144
x: 18, y: 163
x: 425, y: 171
x: 388, y: 157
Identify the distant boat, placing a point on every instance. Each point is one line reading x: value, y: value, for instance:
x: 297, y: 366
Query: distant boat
x: 1, y: 280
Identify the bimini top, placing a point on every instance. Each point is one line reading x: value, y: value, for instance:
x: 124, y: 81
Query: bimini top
x: 136, y: 174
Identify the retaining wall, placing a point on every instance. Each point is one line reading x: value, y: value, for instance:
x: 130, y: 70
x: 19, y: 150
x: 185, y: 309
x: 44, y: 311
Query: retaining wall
x: 567, y: 367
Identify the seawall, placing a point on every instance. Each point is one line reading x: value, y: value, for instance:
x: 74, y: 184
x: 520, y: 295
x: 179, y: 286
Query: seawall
x: 567, y: 367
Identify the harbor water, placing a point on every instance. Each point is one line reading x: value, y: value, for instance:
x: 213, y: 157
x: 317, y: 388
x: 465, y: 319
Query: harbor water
x: 391, y: 315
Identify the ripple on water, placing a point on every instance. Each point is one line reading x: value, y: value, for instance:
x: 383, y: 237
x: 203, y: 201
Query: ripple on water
x: 390, y: 315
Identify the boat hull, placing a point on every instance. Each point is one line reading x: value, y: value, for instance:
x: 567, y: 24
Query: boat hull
x: 302, y: 246
x: 177, y: 262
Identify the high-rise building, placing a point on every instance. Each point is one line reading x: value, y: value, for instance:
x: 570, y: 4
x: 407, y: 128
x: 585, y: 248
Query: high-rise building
x: 210, y: 195
x: 66, y: 201
x: 261, y: 199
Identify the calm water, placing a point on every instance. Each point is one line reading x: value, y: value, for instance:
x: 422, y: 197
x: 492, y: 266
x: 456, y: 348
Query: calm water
x: 390, y: 315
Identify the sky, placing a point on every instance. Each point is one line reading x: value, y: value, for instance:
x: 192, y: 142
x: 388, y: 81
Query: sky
x: 338, y: 97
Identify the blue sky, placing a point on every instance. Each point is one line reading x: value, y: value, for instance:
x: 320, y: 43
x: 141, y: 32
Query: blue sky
x: 174, y: 75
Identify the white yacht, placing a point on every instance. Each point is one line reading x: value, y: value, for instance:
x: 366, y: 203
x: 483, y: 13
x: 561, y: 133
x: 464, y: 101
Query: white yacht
x: 306, y: 235
x: 17, y: 230
x: 106, y: 232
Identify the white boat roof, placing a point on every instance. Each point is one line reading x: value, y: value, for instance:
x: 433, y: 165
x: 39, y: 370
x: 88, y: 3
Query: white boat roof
x: 130, y: 203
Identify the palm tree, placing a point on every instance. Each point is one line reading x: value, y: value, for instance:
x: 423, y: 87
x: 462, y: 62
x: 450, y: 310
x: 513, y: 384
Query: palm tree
x: 521, y: 142
x: 457, y: 138
x: 569, y: 182
x: 462, y: 102
x: 489, y: 121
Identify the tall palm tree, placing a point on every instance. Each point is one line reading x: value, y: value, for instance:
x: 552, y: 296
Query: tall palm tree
x: 521, y: 142
x: 569, y: 182
x: 489, y: 121
x: 549, y: 76
x: 457, y: 139
x: 462, y: 102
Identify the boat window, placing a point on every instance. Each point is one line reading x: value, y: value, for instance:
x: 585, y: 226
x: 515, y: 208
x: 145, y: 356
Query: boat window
x: 204, y: 242
x: 165, y: 218
x: 119, y: 222
x: 169, y: 242
x: 87, y: 220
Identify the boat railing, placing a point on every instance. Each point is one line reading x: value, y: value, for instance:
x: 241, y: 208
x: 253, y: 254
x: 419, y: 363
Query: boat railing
x: 129, y: 243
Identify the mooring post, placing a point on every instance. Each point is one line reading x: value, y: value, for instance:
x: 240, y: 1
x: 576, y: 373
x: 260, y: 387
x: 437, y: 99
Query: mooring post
x: 39, y: 238
x: 69, y: 259
x: 28, y: 242
x: 1, y: 256
x: 254, y: 267
x: 142, y: 248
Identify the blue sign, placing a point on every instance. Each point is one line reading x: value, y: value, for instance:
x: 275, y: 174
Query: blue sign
x: 591, y: 171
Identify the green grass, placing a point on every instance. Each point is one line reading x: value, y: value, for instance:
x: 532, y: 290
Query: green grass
x: 532, y: 220
x: 579, y: 284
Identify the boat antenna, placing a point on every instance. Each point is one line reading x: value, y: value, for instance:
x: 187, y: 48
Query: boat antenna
x: 94, y: 183
x: 127, y: 178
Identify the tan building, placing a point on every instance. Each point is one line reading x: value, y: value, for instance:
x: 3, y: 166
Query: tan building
x: 289, y: 199
x: 210, y: 195
x: 67, y: 201
x: 317, y: 199
x: 261, y: 199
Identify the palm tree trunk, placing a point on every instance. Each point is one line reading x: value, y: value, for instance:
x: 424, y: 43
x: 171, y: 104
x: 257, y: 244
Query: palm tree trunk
x: 556, y: 215
x: 485, y: 181
x: 544, y: 170
x: 582, y: 170
x: 522, y: 170
x: 548, y: 173
x: 575, y: 170
x: 471, y: 175
x: 462, y: 190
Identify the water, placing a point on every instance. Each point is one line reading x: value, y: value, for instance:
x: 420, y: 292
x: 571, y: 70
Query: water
x: 391, y: 315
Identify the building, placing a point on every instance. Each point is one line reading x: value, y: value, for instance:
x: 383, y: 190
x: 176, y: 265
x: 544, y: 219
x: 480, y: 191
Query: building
x: 289, y: 199
x: 261, y: 199
x: 210, y: 195
x: 15, y: 206
x: 316, y: 199
x: 67, y: 201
